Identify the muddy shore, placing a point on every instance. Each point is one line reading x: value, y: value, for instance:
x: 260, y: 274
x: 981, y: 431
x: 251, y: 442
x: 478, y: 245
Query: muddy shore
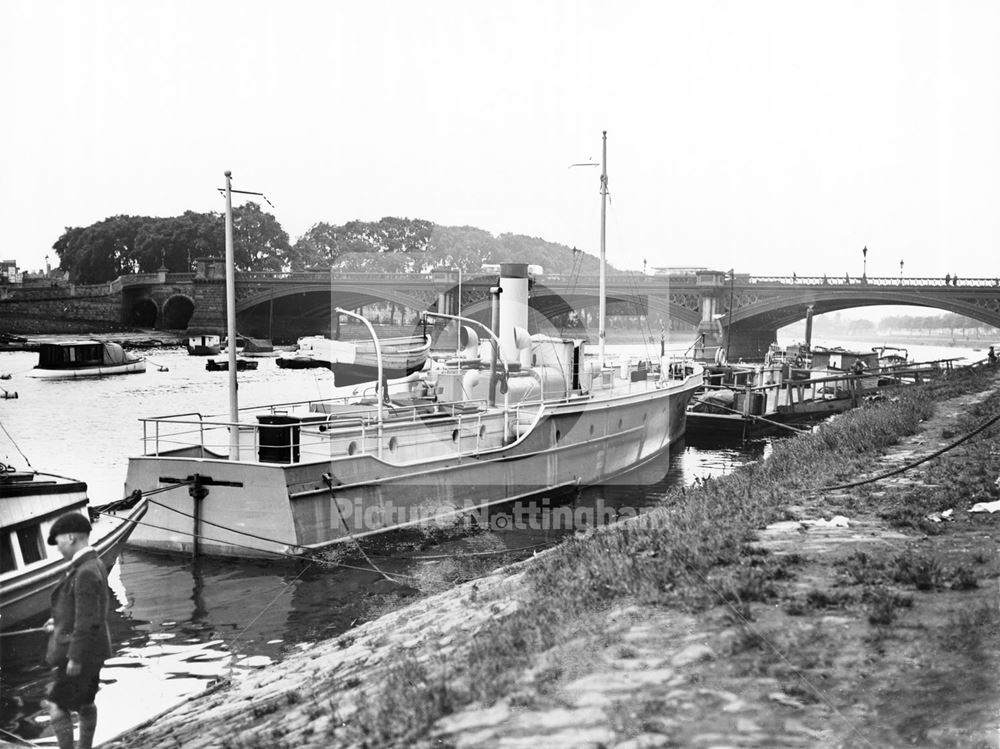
x: 867, y: 617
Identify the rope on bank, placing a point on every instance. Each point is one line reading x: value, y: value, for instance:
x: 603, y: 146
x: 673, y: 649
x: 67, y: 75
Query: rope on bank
x: 985, y: 425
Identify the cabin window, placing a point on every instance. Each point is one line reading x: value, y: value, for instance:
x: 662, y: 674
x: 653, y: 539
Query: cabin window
x: 30, y: 541
x: 7, y: 561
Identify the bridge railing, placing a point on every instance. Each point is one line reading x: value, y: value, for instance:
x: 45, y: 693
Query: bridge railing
x: 871, y: 281
x: 322, y: 276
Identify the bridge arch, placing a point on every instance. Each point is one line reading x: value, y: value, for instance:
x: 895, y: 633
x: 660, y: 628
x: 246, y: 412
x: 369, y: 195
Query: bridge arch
x: 144, y: 313
x: 785, y: 310
x: 177, y: 312
x: 346, y: 295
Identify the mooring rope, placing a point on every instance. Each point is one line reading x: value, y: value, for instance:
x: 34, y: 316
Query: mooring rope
x: 311, y: 557
x: 329, y: 482
x: 16, y: 447
x: 790, y: 428
x: 988, y: 423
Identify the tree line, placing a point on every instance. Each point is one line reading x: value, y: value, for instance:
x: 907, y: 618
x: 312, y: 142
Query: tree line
x: 122, y: 245
x: 901, y: 324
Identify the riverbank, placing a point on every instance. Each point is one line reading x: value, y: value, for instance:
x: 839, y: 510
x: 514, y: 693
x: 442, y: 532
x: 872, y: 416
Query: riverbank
x: 753, y: 610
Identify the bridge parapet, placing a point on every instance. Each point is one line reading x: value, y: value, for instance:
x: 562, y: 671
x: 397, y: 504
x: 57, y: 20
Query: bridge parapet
x: 871, y: 281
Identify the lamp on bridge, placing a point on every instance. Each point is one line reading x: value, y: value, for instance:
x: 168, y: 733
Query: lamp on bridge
x: 900, y: 272
x: 864, y: 266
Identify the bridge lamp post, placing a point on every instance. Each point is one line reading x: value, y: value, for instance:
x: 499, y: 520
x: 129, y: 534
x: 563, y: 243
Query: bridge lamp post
x: 864, y: 266
x: 900, y: 272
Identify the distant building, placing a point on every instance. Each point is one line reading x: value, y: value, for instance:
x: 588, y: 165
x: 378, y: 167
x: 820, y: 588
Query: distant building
x: 9, y: 273
x: 676, y: 271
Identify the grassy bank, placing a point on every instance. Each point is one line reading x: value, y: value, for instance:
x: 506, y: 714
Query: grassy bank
x: 696, y: 553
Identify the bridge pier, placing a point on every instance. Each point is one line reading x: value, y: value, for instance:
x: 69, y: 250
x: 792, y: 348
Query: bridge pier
x: 749, y: 343
x: 209, y: 287
x: 711, y: 284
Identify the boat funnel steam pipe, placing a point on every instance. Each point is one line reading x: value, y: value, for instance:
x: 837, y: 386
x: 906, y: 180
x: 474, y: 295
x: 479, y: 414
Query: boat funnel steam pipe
x: 513, y: 308
x: 809, y: 327
x: 495, y: 292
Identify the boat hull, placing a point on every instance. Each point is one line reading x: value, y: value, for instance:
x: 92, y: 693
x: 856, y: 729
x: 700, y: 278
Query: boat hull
x: 25, y: 595
x: 203, y: 350
x: 100, y: 371
x: 262, y: 509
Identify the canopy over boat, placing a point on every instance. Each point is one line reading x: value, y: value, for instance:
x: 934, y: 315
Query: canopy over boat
x: 84, y: 358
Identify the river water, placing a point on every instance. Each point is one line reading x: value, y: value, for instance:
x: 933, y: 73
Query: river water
x: 179, y: 623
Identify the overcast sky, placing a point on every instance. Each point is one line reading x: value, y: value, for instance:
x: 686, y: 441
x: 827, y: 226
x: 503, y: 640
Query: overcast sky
x: 773, y: 137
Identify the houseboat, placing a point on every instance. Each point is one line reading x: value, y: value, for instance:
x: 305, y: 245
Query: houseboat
x: 753, y: 399
x: 84, y: 358
x: 204, y: 345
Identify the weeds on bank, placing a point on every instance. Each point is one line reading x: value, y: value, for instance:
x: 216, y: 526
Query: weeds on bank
x: 692, y: 552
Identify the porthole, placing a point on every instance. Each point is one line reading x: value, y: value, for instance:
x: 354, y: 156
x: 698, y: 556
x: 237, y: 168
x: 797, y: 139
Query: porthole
x: 482, y: 432
x: 558, y: 435
x: 591, y: 430
x: 620, y: 423
x: 393, y: 444
x: 352, y: 448
x: 454, y: 435
x: 644, y: 418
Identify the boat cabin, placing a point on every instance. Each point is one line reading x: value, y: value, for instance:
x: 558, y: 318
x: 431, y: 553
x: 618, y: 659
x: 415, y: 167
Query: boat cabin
x: 204, y: 345
x: 844, y: 360
x: 29, y: 507
x: 71, y: 354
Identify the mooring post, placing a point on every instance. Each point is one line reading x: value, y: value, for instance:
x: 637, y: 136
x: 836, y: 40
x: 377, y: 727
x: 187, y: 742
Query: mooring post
x: 198, y: 492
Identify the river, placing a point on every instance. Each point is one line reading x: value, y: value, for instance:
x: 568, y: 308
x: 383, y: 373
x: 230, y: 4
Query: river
x: 179, y: 623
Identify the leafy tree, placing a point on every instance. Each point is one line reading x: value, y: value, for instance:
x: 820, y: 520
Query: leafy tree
x: 175, y: 242
x: 259, y: 242
x: 102, y: 251
x: 122, y: 245
x: 325, y: 244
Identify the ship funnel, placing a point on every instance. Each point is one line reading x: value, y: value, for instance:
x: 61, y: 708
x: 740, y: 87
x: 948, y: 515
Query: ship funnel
x: 513, y: 309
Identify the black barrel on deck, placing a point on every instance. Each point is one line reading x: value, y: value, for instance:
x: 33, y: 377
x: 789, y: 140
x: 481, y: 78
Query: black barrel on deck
x: 278, y: 438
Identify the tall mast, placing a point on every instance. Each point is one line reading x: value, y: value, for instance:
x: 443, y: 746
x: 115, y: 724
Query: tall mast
x: 234, y: 408
x: 602, y: 291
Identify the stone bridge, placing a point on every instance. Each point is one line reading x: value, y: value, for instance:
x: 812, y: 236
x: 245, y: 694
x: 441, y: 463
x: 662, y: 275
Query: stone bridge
x: 739, y: 311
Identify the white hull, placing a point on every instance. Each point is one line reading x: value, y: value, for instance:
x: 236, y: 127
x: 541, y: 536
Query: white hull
x: 429, y: 470
x: 101, y: 371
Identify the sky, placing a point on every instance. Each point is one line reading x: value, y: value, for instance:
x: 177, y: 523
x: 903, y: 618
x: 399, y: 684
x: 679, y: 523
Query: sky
x: 769, y: 137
